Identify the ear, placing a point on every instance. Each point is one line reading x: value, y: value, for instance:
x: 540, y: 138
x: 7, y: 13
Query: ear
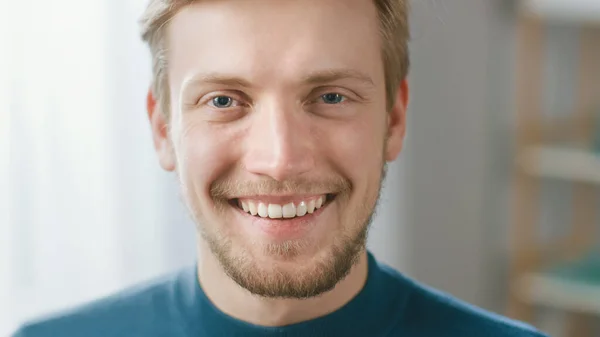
x: 160, y: 133
x: 397, y: 123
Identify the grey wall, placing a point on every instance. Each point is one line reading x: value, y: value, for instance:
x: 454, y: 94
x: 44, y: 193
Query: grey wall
x: 389, y: 237
x: 450, y: 143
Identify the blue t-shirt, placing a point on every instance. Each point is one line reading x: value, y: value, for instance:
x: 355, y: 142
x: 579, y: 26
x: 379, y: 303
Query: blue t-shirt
x: 388, y: 305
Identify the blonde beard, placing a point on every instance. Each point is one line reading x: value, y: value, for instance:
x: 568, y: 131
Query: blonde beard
x: 276, y: 282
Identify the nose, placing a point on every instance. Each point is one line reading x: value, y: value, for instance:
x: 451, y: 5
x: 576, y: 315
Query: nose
x: 279, y: 143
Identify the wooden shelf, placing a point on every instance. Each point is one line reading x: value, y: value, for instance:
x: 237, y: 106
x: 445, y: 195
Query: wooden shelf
x: 562, y: 163
x: 560, y: 293
x: 572, y: 286
x: 575, y: 11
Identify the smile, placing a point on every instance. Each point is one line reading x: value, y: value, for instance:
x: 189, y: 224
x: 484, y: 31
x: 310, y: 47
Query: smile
x: 282, y: 209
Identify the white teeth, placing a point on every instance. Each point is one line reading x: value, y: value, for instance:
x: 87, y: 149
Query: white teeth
x: 274, y: 211
x: 252, y: 208
x: 311, y: 207
x: 301, y: 209
x: 319, y: 202
x: 262, y: 210
x: 289, y: 210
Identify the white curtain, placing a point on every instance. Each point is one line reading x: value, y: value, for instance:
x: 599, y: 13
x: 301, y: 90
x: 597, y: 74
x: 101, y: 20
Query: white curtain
x: 88, y: 209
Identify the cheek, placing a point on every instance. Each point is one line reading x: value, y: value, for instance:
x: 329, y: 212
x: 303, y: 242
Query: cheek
x: 202, y: 155
x: 355, y: 148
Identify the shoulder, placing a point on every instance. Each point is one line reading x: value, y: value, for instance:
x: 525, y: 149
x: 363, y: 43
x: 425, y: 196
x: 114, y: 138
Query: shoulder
x: 429, y: 312
x: 135, y: 311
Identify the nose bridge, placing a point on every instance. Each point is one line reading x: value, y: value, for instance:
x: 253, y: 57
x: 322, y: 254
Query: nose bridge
x: 279, y: 144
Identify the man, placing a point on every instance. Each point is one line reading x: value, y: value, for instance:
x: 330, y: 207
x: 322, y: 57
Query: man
x: 278, y: 118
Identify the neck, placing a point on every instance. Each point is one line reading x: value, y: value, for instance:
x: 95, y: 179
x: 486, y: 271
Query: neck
x: 237, y: 302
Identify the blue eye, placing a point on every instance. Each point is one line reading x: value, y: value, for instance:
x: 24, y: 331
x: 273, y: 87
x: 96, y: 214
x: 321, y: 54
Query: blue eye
x: 333, y: 98
x: 222, y: 102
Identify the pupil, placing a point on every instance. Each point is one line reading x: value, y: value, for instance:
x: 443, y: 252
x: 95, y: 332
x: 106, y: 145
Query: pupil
x: 222, y: 101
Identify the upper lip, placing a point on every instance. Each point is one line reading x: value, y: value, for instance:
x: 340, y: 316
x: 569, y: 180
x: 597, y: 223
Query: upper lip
x: 281, y: 199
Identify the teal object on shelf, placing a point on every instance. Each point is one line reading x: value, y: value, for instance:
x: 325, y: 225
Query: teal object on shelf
x: 585, y: 270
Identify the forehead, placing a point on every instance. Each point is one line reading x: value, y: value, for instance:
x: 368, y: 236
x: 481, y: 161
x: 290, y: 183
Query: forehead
x: 268, y: 41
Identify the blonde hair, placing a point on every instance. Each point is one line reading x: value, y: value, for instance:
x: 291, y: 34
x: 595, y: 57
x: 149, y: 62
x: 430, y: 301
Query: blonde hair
x: 394, y: 27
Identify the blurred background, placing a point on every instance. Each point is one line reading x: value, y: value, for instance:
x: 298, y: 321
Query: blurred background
x: 493, y: 199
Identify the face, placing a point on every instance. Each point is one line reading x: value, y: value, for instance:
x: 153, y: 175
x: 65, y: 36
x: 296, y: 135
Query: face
x: 279, y: 133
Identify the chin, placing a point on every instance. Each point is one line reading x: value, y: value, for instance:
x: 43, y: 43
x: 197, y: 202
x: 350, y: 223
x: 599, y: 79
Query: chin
x: 297, y: 253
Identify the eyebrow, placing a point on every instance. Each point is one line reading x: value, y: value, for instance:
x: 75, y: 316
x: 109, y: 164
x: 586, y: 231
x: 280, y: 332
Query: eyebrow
x: 332, y: 75
x: 216, y: 78
x: 315, y: 78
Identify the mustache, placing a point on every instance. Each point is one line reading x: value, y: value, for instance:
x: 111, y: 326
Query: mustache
x: 232, y: 188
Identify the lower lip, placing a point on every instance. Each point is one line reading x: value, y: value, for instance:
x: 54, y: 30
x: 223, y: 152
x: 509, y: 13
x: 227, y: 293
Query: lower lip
x: 283, y: 229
